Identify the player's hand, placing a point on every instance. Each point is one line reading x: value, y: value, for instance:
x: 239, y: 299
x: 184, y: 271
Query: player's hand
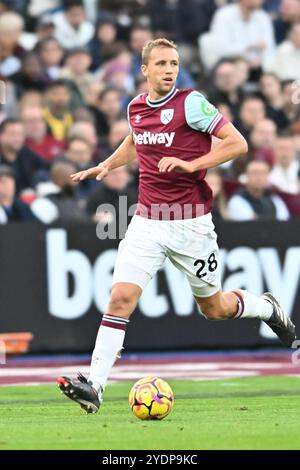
x: 167, y: 164
x: 99, y: 172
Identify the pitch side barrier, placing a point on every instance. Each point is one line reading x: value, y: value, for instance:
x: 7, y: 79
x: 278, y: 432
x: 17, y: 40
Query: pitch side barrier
x: 55, y: 283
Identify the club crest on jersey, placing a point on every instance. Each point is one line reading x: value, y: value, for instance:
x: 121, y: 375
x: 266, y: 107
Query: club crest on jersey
x: 166, y: 115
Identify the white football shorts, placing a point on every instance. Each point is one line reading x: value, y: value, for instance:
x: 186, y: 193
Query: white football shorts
x: 190, y: 244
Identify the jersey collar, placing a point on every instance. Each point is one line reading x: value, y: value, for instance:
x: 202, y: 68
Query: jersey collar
x: 161, y: 101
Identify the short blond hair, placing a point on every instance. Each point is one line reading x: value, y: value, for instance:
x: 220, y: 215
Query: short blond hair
x: 150, y: 45
x: 11, y: 22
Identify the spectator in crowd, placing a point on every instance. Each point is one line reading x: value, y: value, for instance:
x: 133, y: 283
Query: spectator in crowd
x: 63, y: 204
x: 76, y: 68
x: 82, y: 113
x: 244, y: 29
x: 92, y: 93
x: 38, y: 139
x: 219, y: 209
x: 91, y: 100
x: 79, y: 62
x: 194, y: 18
x: 284, y: 174
x: 138, y: 37
x: 114, y: 185
x: 12, y: 24
x: 110, y: 104
x: 289, y: 12
x: 291, y: 101
x: 287, y: 58
x: 31, y: 75
x: 256, y: 201
x: 264, y: 134
x: 242, y: 74
x: 105, y: 35
x: 11, y: 27
x: 117, y: 73
x: 270, y: 88
x: 272, y: 7
x: 141, y: 85
x: 252, y: 111
x: 254, y: 127
x: 79, y: 152
x: 117, y: 133
x: 31, y: 99
x: 56, y: 111
x: 51, y: 54
x: 263, y: 141
x: 130, y: 9
x: 86, y: 130
x: 226, y: 87
x: 12, y: 209
x: 72, y: 29
x: 26, y: 164
x: 37, y: 8
x: 12, y: 31
x: 45, y: 27
x: 110, y: 108
x: 164, y: 17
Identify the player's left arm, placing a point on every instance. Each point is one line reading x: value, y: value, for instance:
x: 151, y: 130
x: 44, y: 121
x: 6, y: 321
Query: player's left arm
x: 232, y: 145
x: 203, y: 116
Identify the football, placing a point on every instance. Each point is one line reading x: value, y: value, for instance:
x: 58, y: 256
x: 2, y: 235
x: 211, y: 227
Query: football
x: 151, y: 398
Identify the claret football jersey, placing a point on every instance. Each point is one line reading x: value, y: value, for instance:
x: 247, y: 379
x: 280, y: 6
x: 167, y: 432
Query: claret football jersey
x: 179, y: 125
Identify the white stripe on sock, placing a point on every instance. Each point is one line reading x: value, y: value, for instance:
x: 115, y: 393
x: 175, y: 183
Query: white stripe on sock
x: 115, y: 319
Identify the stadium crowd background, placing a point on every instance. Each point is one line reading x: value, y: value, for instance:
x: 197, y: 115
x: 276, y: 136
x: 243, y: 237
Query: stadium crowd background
x: 71, y: 67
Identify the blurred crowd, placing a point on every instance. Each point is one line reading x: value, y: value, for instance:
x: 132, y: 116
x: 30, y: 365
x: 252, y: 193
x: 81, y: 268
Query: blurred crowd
x: 71, y: 67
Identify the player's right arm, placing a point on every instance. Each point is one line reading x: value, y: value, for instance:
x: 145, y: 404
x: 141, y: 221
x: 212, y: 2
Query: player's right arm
x: 123, y: 155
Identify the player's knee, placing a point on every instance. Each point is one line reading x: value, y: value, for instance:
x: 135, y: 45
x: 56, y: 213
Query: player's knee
x: 120, y: 301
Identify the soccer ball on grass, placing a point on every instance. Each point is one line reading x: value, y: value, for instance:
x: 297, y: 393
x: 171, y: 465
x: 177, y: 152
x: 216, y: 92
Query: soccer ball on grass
x: 151, y: 398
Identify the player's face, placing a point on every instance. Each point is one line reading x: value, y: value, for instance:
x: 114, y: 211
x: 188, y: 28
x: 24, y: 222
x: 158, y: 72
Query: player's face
x: 161, y: 70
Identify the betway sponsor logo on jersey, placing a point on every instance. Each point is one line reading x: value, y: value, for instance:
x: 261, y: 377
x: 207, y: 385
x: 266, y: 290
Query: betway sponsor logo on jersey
x: 147, y: 138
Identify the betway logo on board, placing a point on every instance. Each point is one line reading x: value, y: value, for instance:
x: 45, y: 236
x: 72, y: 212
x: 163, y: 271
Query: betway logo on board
x: 147, y: 138
x: 241, y: 267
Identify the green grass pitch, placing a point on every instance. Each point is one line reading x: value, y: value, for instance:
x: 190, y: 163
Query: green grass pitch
x: 248, y: 413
